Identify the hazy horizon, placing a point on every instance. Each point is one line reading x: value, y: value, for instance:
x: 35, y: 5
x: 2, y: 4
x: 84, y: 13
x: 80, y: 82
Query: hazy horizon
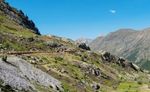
x: 85, y: 18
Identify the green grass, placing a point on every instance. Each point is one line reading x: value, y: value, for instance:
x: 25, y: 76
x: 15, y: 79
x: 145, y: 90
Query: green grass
x: 16, y: 30
x: 128, y: 87
x: 43, y: 89
x: 10, y: 45
x: 11, y: 27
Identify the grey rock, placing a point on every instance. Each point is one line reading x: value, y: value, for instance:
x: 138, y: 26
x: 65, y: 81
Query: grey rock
x: 106, y: 56
x: 84, y: 46
x: 18, y: 73
x: 134, y: 66
x: 96, y: 86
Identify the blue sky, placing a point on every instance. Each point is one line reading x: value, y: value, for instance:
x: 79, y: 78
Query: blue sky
x: 85, y: 18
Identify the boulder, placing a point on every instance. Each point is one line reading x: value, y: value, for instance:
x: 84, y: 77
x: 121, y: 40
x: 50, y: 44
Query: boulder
x: 106, y: 56
x: 135, y: 67
x: 121, y: 61
x: 84, y: 46
x: 96, y: 86
x: 94, y: 71
x: 97, y: 72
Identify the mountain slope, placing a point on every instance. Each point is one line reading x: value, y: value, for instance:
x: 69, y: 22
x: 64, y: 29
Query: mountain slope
x: 17, y: 16
x: 131, y: 44
x: 30, y: 62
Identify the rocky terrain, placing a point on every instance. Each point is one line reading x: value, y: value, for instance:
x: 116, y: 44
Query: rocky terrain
x: 30, y: 62
x: 21, y: 75
x: 17, y: 16
x: 128, y: 43
x: 84, y: 40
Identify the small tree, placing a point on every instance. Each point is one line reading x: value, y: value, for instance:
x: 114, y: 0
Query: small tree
x: 4, y: 58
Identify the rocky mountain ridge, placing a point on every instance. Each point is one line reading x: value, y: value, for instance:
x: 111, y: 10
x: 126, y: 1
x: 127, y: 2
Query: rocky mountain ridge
x: 18, y: 16
x: 129, y: 43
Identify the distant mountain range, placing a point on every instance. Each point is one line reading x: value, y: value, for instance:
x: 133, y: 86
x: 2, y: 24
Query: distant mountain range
x: 131, y: 44
x: 84, y: 40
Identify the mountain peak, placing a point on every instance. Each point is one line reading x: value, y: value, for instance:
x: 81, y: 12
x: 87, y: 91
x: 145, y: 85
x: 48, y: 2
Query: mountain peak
x: 126, y: 30
x: 84, y: 40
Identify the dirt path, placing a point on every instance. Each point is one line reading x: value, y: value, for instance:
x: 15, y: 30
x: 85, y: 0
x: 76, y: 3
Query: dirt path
x: 22, y: 52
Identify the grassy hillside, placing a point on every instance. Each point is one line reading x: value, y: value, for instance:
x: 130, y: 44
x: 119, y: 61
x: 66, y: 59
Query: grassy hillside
x: 75, y: 69
x: 78, y: 70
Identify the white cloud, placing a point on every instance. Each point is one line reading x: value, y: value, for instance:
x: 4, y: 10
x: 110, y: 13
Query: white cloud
x: 112, y: 11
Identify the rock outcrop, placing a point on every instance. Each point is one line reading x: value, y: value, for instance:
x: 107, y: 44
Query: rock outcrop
x: 19, y: 74
x: 84, y: 46
x: 18, y: 16
x: 108, y: 57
